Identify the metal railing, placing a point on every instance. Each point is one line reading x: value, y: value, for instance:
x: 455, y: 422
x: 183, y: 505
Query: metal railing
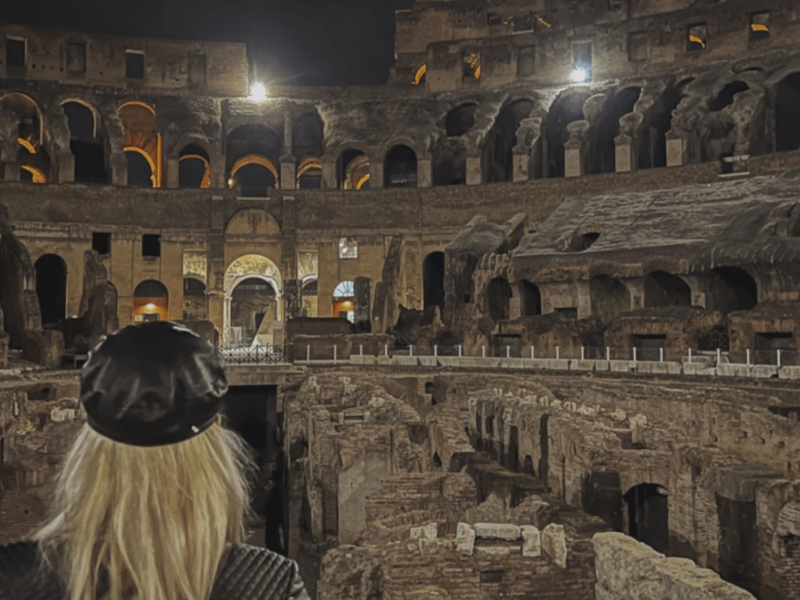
x: 256, y: 355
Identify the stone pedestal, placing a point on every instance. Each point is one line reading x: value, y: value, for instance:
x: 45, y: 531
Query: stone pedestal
x: 623, y: 154
x: 573, y: 163
x: 521, y: 163
x: 676, y: 151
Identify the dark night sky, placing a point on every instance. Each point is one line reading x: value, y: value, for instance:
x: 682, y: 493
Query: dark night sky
x: 315, y: 42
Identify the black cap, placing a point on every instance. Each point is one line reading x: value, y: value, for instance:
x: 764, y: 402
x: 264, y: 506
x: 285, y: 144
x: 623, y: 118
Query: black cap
x: 153, y: 385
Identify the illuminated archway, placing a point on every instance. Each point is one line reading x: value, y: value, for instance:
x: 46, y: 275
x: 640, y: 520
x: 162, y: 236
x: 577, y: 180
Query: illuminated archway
x: 85, y: 145
x: 138, y: 162
x: 309, y: 174
x: 142, y: 135
x: 51, y: 288
x: 150, y: 302
x: 419, y: 76
x: 195, y: 302
x: 194, y: 168
x: 31, y: 126
x: 35, y: 175
x: 249, y: 267
x: 258, y: 160
x: 353, y: 170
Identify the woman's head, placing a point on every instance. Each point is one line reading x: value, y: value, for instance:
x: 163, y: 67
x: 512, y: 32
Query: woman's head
x: 150, y: 520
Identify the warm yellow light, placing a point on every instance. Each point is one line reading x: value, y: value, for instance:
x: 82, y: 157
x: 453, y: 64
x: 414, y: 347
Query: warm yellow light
x: 759, y: 27
x: 420, y: 74
x: 150, y: 306
x: 27, y: 144
x: 258, y: 92
x: 362, y: 181
x: 697, y: 40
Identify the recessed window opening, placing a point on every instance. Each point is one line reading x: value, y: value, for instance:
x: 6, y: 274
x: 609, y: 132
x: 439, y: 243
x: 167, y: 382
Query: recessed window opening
x: 759, y: 26
x: 582, y: 62
x: 582, y: 241
x: 697, y: 36
x: 15, y: 52
x: 567, y: 312
x: 134, y: 65
x: 151, y: 245
x: 471, y: 65
x: 348, y: 247
x: 76, y: 58
x: 101, y: 242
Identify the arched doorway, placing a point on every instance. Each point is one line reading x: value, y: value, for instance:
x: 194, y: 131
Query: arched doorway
x: 194, y: 299
x: 731, y: 289
x: 344, y: 298
x: 307, y: 146
x: 51, y: 288
x: 85, y: 145
x: 254, y: 310
x: 255, y: 297
x: 140, y: 171
x: 143, y: 144
x: 353, y: 170
x: 310, y: 302
x: 787, y: 114
x: 251, y: 153
x: 531, y: 298
x: 503, y: 138
x: 400, y: 168
x: 150, y: 302
x: 460, y: 120
x: 648, y: 515
x: 565, y: 110
x: 433, y: 280
x: 606, y: 128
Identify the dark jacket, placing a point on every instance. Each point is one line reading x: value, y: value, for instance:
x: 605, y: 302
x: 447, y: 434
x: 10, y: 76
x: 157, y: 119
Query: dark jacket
x: 249, y: 573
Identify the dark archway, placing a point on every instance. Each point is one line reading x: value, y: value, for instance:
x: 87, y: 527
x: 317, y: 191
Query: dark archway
x: 51, y: 288
x: 606, y: 128
x: 726, y: 94
x: 787, y: 114
x: 567, y: 109
x: 86, y: 147
x: 731, y: 289
x: 252, y: 158
x: 648, y: 515
x: 194, y: 168
x: 665, y: 289
x: 460, y: 120
x: 433, y: 280
x: 252, y: 301
x: 353, y: 170
x: 140, y: 173
x: 499, y: 160
x: 400, y: 168
x: 450, y: 165
x: 498, y: 296
x: 531, y: 298
x: 609, y: 296
x: 654, y: 154
x: 307, y: 146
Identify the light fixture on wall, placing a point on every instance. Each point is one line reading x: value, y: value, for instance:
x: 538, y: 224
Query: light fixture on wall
x: 150, y: 306
x: 578, y: 75
x: 258, y: 92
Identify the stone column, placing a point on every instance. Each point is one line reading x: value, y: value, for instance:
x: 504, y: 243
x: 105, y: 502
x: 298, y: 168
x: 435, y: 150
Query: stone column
x: 218, y: 180
x: 625, y: 157
x: 11, y: 171
x: 293, y: 293
x: 288, y: 172
x: 328, y: 174
x: 66, y: 167
x: 677, y: 148
x: 375, y: 174
x: 362, y: 312
x: 474, y: 170
x: 576, y: 150
x: 172, y: 179
x: 424, y: 172
x: 521, y: 163
x: 119, y: 169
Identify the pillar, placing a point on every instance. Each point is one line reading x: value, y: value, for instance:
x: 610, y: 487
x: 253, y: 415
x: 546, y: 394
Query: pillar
x: 173, y: 173
x: 424, y: 172
x: 676, y: 149
x: 288, y: 171
x: 574, y: 165
x: 624, y: 156
x: 328, y: 174
x: 474, y: 170
x: 119, y: 170
x: 375, y: 174
x: 66, y: 167
x: 520, y: 165
x: 362, y: 312
x: 11, y: 171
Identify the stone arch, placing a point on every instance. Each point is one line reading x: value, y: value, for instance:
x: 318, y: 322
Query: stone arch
x: 248, y: 267
x: 142, y: 136
x: 609, y: 296
x: 450, y: 164
x: 253, y: 221
x: 344, y: 297
x: 665, y: 289
x: 419, y: 75
x: 255, y: 174
x: 647, y: 508
x: 150, y: 301
x: 51, y: 288
x: 256, y: 148
x: 606, y: 129
x: 731, y: 289
x: 86, y: 145
x: 655, y: 154
x: 194, y: 167
x: 497, y: 150
x: 352, y: 169
x: 400, y: 167
x: 195, y: 301
x: 31, y: 123
x: 531, y: 298
x: 141, y: 169
x: 566, y: 109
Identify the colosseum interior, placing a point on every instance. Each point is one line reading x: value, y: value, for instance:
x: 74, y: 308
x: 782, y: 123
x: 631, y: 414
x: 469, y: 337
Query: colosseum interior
x: 521, y: 323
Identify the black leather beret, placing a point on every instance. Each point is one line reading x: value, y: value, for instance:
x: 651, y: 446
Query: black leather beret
x: 153, y: 385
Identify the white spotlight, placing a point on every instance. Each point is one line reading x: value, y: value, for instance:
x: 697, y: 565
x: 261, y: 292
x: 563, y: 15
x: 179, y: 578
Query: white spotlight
x: 258, y: 92
x: 579, y: 75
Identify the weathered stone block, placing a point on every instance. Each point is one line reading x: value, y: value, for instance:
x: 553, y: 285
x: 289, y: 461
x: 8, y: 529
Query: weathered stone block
x: 465, y: 539
x: 557, y: 364
x: 405, y: 361
x: 493, y: 550
x: 497, y: 531
x: 601, y: 365
x: 733, y: 370
x: 696, y: 368
x: 554, y: 544
x: 621, y: 366
x: 427, y: 361
x: 426, y: 532
x: 531, y: 541
x: 581, y: 365
x: 783, y: 373
x: 764, y: 371
x: 738, y: 482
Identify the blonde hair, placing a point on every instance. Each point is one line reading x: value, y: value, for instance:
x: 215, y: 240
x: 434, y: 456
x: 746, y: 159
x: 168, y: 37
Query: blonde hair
x: 146, y: 523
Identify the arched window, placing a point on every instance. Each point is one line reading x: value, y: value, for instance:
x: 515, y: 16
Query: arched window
x: 194, y: 168
x: 531, y: 298
x: 51, y: 288
x: 665, y: 289
x: 140, y: 170
x: 353, y: 170
x: 603, y: 132
x: 787, y: 109
x: 400, y: 167
x: 254, y: 309
x: 194, y: 300
x: 141, y: 137
x: 502, y: 139
x: 307, y: 146
x: 653, y: 152
x: 732, y: 289
x: 252, y: 151
x: 460, y: 120
x: 565, y: 110
x: 150, y: 302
